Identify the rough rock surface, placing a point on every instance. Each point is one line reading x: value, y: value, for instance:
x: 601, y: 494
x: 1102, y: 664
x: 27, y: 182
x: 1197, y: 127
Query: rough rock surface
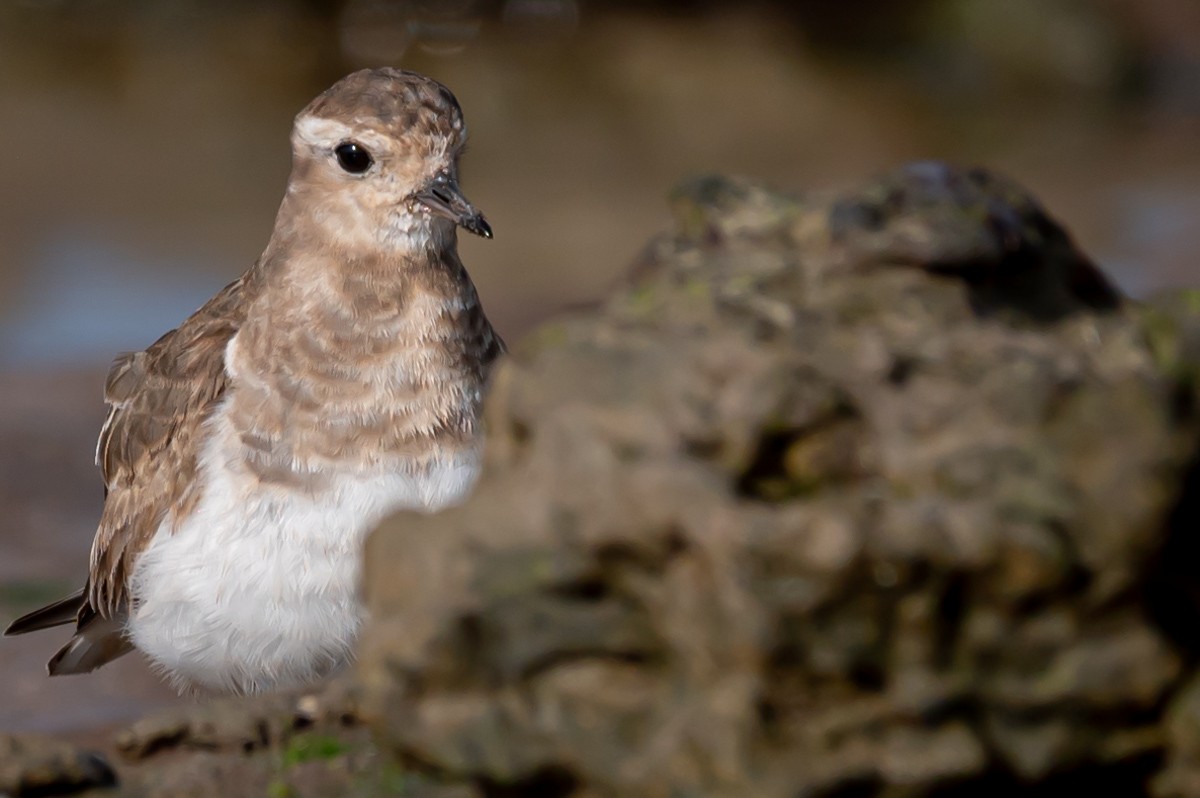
x: 32, y: 765
x: 288, y: 745
x: 875, y: 493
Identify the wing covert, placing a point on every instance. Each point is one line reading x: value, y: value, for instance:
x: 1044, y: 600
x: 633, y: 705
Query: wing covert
x: 148, y: 449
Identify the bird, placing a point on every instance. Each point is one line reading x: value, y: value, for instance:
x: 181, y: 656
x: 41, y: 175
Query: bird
x: 248, y: 452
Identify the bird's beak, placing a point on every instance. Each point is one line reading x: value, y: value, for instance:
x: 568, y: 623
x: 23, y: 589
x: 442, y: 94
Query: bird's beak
x: 443, y: 197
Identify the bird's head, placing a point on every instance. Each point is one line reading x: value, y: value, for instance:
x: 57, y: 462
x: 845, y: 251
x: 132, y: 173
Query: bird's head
x: 375, y: 159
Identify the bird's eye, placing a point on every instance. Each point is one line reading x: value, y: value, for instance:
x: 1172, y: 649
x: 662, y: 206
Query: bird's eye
x: 353, y: 157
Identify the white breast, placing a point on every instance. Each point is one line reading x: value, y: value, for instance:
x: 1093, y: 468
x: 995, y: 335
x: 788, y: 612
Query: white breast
x: 258, y: 588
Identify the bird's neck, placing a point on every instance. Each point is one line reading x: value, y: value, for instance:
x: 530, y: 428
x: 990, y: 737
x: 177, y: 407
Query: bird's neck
x: 311, y: 221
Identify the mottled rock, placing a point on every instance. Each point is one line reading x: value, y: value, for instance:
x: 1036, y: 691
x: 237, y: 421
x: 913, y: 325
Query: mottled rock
x: 34, y: 766
x: 866, y: 492
x: 293, y: 745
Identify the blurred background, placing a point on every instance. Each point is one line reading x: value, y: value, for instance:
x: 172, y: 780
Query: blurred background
x: 145, y: 149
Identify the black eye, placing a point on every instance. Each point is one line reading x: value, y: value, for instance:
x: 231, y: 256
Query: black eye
x: 353, y: 157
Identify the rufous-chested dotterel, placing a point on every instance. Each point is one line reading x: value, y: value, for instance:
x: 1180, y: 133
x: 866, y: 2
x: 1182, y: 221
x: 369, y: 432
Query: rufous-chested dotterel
x: 248, y: 452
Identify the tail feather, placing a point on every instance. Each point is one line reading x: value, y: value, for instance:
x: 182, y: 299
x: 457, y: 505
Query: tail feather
x: 61, y: 612
x: 98, y: 641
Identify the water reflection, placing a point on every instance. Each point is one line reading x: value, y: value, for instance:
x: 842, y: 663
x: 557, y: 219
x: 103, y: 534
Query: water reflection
x: 85, y: 301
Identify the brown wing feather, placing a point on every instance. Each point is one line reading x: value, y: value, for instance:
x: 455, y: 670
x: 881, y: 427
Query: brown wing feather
x: 148, y: 448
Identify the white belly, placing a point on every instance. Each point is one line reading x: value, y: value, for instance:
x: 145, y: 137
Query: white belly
x: 258, y: 588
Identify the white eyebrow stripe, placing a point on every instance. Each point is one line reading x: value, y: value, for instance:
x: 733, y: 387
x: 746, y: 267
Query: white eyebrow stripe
x: 325, y: 133
x: 320, y: 132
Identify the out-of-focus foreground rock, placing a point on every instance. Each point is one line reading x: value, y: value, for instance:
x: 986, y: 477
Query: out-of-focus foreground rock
x: 877, y: 493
